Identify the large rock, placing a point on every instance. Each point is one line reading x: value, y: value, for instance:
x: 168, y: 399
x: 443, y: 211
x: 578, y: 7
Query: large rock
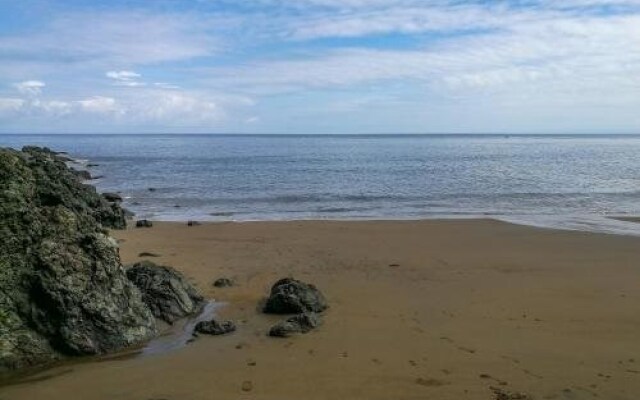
x: 165, y: 291
x: 301, y: 323
x: 290, y: 296
x: 63, y: 290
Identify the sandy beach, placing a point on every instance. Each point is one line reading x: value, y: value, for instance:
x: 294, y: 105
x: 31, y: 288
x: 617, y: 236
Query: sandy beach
x: 419, y: 310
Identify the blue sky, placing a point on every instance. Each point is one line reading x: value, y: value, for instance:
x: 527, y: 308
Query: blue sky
x: 320, y: 66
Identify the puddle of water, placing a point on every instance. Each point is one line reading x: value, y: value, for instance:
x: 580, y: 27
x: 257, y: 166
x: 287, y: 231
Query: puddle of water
x: 174, y: 338
x: 178, y: 335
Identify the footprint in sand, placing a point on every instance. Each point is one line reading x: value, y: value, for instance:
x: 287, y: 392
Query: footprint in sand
x: 467, y: 349
x: 496, y: 380
x: 246, y: 386
x: 501, y: 394
x: 431, y: 382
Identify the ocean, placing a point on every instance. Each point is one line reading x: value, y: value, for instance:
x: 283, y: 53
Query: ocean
x: 555, y: 181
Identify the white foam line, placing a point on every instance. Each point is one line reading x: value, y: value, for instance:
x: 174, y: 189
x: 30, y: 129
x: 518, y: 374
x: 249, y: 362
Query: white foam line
x: 585, y: 223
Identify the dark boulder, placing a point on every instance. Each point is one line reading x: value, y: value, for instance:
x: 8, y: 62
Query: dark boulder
x: 223, y: 282
x: 215, y: 328
x: 193, y: 223
x: 301, y: 323
x: 144, y: 223
x: 112, y: 197
x: 290, y: 296
x: 165, y: 291
x: 63, y: 290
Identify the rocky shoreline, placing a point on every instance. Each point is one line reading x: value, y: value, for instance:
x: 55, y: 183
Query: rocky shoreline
x: 64, y: 291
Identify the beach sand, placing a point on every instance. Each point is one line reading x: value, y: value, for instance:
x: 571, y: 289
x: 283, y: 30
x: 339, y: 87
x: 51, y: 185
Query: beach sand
x: 419, y: 310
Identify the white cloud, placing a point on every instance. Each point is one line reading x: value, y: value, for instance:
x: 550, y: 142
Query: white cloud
x: 122, y: 75
x: 165, y: 85
x: 125, y: 78
x: 180, y: 108
x: 8, y: 104
x: 55, y: 108
x: 31, y: 88
x: 99, y: 105
x: 585, y: 53
x: 162, y: 108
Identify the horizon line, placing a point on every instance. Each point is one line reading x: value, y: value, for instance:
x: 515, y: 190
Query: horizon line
x: 316, y: 134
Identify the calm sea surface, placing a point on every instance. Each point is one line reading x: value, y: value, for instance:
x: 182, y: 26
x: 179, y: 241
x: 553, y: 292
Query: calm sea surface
x: 571, y: 182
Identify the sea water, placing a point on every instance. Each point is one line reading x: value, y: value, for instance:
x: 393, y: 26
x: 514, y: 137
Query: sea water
x: 559, y: 181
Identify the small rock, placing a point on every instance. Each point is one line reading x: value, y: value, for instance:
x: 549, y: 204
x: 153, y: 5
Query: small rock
x: 223, y: 282
x: 147, y: 254
x: 290, y: 296
x: 193, y: 223
x: 112, y: 197
x: 301, y: 323
x: 215, y: 328
x: 144, y: 223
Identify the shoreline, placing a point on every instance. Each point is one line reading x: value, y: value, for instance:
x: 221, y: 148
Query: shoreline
x: 418, y: 309
x: 610, y: 224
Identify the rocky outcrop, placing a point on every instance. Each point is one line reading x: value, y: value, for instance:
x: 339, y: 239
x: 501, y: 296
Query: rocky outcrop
x: 290, y: 296
x: 165, y: 291
x: 63, y: 290
x: 215, y: 328
x: 301, y: 323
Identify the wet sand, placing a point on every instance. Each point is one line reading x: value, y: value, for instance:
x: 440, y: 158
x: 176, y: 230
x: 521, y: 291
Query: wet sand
x: 419, y: 310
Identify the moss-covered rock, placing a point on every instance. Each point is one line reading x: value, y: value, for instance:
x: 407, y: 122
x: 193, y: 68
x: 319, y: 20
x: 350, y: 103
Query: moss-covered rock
x: 63, y: 290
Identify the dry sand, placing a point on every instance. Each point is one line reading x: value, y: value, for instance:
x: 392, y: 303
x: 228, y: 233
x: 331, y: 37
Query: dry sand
x: 419, y: 310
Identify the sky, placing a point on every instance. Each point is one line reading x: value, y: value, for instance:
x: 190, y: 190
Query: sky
x: 320, y: 66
